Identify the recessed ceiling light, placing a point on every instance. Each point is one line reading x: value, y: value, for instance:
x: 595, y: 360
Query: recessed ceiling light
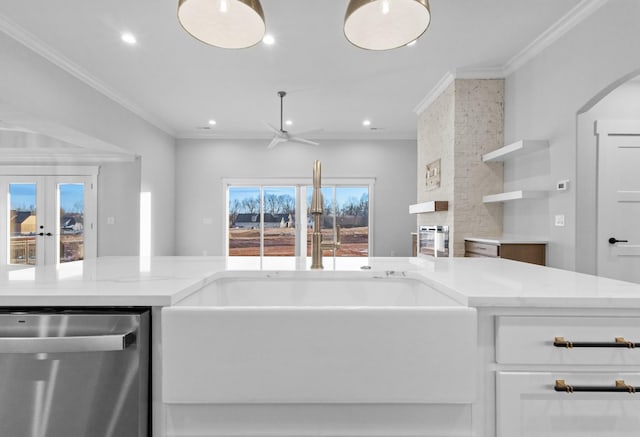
x: 129, y: 38
x: 288, y: 122
x: 385, y: 7
x: 366, y: 123
x: 268, y: 39
x: 212, y: 122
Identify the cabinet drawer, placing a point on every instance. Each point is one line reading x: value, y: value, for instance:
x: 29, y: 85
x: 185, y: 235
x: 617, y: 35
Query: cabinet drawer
x: 528, y: 405
x: 530, y: 340
x: 483, y: 249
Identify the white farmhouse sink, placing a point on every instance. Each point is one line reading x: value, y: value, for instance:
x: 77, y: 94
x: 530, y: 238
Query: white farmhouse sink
x: 333, y: 290
x: 318, y: 337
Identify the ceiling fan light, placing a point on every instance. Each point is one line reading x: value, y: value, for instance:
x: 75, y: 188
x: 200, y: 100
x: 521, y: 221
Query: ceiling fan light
x: 230, y: 24
x: 385, y: 24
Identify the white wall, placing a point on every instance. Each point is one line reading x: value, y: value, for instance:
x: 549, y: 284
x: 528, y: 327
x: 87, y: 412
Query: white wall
x: 29, y: 84
x: 118, y: 198
x: 542, y: 100
x: 623, y: 103
x: 202, y: 164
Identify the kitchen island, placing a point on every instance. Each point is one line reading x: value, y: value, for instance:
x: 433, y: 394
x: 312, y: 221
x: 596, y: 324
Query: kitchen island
x: 522, y: 310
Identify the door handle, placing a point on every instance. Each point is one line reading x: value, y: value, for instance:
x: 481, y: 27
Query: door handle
x: 613, y: 240
x: 83, y: 343
x: 48, y: 234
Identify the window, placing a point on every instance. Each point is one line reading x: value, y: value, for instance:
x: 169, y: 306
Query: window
x: 273, y: 218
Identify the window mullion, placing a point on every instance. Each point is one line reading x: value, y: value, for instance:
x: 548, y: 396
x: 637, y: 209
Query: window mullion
x: 261, y: 221
x: 299, y: 190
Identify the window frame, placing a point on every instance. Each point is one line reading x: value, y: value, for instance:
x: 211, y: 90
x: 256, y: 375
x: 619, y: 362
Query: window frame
x: 49, y: 177
x: 300, y: 185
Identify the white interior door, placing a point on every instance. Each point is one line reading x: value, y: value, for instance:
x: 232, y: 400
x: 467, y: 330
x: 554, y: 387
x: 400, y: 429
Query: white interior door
x: 618, y: 234
x: 47, y: 219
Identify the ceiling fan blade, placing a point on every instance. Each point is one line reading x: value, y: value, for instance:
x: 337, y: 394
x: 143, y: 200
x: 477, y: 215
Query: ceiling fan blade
x: 275, y: 141
x: 303, y: 141
x: 274, y: 129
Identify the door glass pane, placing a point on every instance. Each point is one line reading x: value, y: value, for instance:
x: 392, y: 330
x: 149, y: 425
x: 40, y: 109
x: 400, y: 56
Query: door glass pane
x: 71, y: 222
x: 279, y: 221
x: 244, y: 221
x: 353, y: 217
x: 22, y: 223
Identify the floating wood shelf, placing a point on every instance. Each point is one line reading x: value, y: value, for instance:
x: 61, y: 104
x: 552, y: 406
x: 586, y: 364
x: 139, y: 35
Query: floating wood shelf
x: 513, y: 150
x: 513, y: 195
x: 433, y: 206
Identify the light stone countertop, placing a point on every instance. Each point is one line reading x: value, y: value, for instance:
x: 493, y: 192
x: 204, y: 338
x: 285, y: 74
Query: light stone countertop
x: 163, y: 281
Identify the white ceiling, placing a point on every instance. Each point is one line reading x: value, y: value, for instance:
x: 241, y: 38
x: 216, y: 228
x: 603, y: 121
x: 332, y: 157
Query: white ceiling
x: 179, y: 83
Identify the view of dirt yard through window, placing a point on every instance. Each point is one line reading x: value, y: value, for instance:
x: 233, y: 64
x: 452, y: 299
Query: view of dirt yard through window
x: 276, y: 214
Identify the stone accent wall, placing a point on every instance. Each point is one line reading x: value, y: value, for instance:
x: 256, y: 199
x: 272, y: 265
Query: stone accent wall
x: 436, y: 141
x: 462, y: 124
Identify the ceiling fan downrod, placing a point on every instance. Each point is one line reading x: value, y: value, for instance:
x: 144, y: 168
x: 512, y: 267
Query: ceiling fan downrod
x: 281, y: 94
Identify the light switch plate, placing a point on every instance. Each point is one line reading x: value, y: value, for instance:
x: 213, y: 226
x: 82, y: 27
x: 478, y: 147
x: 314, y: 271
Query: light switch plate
x: 559, y: 220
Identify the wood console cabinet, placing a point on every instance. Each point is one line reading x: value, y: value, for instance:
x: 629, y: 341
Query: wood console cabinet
x: 530, y: 252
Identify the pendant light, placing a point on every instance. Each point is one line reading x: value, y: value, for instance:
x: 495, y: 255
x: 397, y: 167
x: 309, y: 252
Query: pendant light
x: 230, y: 24
x: 385, y: 24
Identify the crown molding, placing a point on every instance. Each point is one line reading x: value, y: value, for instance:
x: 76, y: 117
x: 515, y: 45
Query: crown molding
x: 30, y: 41
x: 570, y: 20
x: 480, y: 73
x: 435, y: 92
x: 567, y: 22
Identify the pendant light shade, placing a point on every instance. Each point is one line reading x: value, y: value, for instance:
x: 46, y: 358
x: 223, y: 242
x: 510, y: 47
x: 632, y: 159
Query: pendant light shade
x: 230, y: 24
x: 385, y: 24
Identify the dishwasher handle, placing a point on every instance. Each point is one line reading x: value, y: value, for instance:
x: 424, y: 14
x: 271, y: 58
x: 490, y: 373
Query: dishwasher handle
x: 81, y: 343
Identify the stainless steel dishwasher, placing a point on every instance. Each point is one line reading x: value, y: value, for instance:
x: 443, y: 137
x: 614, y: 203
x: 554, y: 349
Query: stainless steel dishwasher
x: 74, y: 372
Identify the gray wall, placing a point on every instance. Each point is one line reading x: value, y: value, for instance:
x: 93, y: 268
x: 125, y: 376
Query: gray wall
x: 118, y: 198
x: 202, y: 164
x: 29, y: 84
x: 542, y: 100
x: 623, y: 103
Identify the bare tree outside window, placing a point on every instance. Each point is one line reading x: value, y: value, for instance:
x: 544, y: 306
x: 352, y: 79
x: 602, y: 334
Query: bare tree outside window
x: 272, y: 232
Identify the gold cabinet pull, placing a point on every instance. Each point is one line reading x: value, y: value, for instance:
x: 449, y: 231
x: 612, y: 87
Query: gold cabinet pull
x: 619, y: 387
x: 619, y: 342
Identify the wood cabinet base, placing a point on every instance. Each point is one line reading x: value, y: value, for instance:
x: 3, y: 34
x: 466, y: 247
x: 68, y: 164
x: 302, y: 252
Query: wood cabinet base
x: 534, y: 253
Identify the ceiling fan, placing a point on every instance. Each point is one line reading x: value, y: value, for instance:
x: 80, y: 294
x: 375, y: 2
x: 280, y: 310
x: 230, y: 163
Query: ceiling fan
x: 283, y: 136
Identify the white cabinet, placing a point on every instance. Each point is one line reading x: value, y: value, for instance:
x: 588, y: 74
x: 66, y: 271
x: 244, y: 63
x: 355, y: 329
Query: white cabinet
x: 530, y: 340
x: 528, y: 405
x: 567, y: 376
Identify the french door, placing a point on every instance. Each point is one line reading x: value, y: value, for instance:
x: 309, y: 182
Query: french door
x: 47, y: 219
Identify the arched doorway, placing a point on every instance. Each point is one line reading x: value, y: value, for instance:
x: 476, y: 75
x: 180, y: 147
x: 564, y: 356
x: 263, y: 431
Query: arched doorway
x: 599, y: 211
